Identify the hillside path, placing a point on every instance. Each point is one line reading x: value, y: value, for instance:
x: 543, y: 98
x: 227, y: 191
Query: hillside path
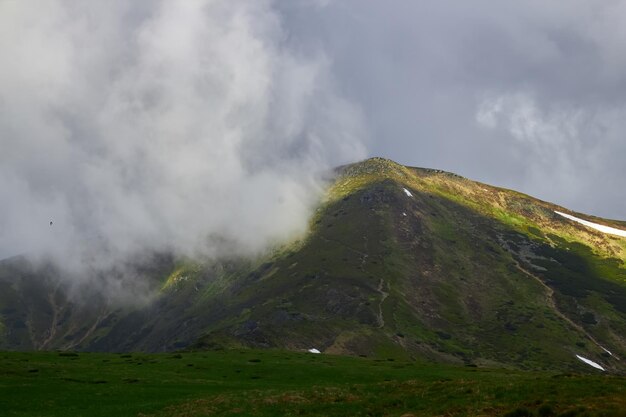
x: 552, y: 302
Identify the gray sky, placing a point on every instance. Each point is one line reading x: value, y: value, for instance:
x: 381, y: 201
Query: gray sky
x: 199, y: 125
x: 528, y: 95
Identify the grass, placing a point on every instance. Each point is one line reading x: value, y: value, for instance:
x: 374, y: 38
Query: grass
x: 270, y: 383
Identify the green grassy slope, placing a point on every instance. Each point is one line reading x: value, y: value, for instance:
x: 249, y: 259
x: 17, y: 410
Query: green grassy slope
x: 399, y: 262
x: 271, y: 383
x: 457, y: 271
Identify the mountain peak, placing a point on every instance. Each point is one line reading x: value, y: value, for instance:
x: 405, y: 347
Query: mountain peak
x: 376, y: 166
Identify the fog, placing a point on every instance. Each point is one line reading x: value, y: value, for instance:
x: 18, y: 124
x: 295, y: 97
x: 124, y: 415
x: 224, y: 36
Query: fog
x: 136, y: 127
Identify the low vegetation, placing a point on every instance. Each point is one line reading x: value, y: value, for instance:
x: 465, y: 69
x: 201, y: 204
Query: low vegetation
x: 279, y: 383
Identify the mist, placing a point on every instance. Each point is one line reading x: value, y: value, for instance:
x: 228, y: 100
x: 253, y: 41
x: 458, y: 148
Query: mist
x: 130, y: 128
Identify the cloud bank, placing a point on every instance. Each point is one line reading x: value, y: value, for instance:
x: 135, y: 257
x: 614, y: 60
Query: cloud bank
x: 160, y: 125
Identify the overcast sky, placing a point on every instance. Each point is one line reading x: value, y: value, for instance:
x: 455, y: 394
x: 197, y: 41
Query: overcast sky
x: 529, y: 95
x: 134, y: 124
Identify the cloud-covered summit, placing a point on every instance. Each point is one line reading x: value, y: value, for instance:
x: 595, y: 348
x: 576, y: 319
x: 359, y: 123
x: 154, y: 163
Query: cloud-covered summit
x: 149, y: 126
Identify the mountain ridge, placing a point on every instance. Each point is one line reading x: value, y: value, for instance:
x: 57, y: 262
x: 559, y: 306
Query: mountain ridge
x: 399, y: 262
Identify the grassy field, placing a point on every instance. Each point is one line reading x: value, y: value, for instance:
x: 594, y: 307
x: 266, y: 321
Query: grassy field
x: 277, y: 383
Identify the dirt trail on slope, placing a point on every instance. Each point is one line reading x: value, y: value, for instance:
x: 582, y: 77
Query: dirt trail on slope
x: 381, y: 283
x: 383, y: 296
x: 552, y: 302
x: 103, y: 314
x: 55, y: 318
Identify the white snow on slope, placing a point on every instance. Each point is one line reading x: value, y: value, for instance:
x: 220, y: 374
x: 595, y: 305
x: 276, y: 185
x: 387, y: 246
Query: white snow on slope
x: 407, y: 192
x: 314, y: 351
x: 590, y: 362
x: 601, y: 228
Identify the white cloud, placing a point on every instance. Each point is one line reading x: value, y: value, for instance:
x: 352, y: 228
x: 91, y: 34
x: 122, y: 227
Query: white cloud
x: 138, y: 126
x: 519, y: 115
x: 567, y: 149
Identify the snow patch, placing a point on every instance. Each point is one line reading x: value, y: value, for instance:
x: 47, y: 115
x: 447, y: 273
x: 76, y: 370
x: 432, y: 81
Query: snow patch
x: 313, y: 350
x: 596, y: 226
x: 590, y: 362
x: 407, y: 192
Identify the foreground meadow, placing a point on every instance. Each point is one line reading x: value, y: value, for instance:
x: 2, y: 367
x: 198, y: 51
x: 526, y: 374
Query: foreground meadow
x: 273, y: 383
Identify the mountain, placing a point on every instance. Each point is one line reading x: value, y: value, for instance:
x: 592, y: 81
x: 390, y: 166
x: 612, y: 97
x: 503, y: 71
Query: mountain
x: 399, y: 262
